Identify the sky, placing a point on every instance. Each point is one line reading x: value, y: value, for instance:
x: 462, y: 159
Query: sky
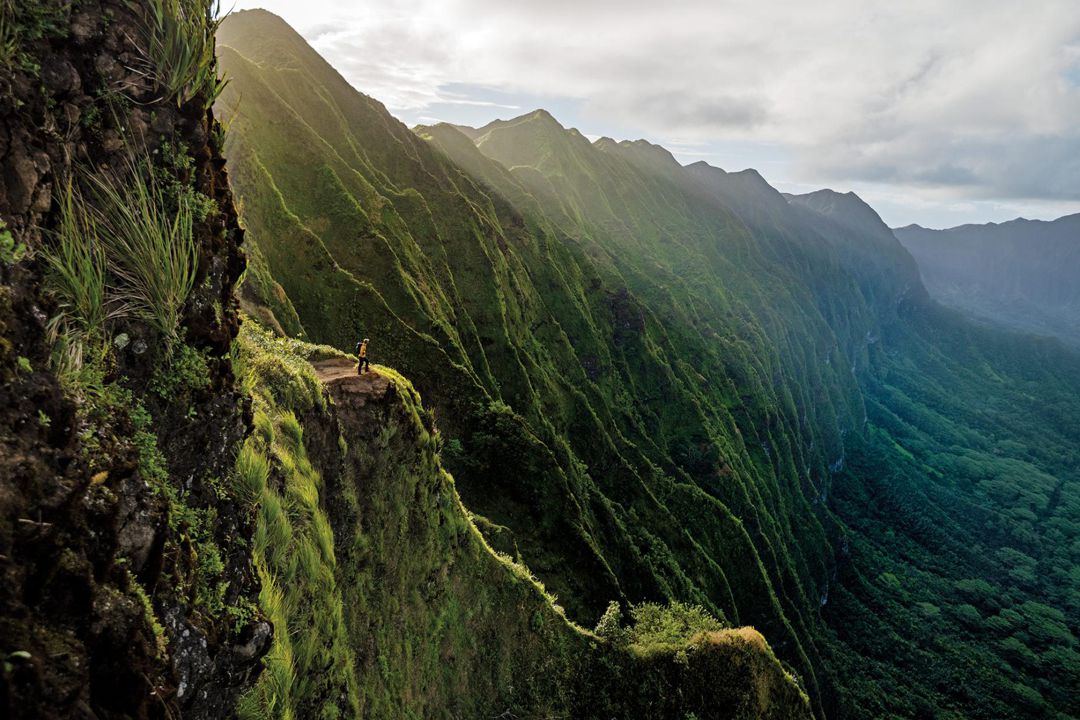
x: 937, y: 112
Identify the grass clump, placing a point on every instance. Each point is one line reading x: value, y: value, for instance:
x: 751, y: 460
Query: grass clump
x: 252, y: 473
x: 125, y: 248
x: 76, y: 278
x: 149, y: 243
x: 181, y: 58
x: 273, y: 368
x: 9, y: 45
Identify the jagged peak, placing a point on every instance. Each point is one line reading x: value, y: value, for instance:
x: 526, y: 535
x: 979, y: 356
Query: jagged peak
x: 640, y: 150
x: 537, y: 121
x: 702, y: 166
x: 446, y: 132
x: 748, y: 176
x: 539, y: 116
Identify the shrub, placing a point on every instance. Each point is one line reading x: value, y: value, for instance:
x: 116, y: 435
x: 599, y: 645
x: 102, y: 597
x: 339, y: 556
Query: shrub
x: 11, y: 252
x: 653, y: 624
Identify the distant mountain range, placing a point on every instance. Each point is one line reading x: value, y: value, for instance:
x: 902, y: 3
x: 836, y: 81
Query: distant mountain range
x: 1022, y: 273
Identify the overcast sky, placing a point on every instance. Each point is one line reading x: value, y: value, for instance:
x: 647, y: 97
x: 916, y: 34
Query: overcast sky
x: 939, y: 112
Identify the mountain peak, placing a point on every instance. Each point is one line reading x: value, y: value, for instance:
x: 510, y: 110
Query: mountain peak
x: 846, y: 206
x: 539, y: 116
x: 542, y: 114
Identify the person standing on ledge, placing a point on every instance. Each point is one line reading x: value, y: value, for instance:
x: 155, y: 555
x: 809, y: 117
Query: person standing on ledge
x: 361, y: 356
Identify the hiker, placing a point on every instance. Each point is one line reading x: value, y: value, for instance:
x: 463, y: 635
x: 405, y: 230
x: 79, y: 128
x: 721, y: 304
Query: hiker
x: 361, y: 356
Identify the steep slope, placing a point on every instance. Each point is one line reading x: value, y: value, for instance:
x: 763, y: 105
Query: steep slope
x: 869, y: 247
x: 1021, y: 273
x: 127, y: 590
x: 675, y: 383
x: 576, y: 418
x: 961, y: 502
x: 388, y: 602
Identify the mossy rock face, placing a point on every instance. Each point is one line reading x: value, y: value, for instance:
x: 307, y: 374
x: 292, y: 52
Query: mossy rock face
x: 388, y: 602
x: 122, y: 546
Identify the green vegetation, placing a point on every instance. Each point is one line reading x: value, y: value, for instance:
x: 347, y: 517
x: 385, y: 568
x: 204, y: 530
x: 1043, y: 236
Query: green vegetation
x: 654, y: 624
x: 23, y: 22
x: 181, y: 57
x: 77, y: 280
x: 148, y: 239
x: 962, y: 593
x: 361, y: 542
x: 568, y: 382
x: 667, y: 384
x: 127, y: 250
x: 9, y: 46
x: 310, y: 669
x: 11, y: 252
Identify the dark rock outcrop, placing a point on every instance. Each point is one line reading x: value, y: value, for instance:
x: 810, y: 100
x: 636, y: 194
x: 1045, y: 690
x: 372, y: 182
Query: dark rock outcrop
x: 98, y: 569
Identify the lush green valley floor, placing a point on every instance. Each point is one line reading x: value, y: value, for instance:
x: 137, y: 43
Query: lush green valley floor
x: 962, y: 501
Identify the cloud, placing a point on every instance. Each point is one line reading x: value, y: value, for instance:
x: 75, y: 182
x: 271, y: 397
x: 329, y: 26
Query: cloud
x: 978, y: 96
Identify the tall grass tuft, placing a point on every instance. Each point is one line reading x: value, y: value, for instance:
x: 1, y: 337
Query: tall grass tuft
x: 252, y: 473
x: 77, y: 280
x: 148, y: 237
x: 181, y: 48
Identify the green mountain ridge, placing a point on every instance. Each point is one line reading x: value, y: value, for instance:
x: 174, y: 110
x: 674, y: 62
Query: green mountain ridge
x: 620, y: 558
x: 388, y: 602
x: 666, y: 383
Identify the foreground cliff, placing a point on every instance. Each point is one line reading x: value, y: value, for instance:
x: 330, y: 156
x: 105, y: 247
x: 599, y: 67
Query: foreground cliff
x: 127, y: 589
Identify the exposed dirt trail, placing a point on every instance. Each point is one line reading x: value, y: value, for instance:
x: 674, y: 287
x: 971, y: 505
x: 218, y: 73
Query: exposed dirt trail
x: 339, y: 375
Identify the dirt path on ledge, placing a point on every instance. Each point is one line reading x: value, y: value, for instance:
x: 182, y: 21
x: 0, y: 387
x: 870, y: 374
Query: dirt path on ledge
x: 339, y: 375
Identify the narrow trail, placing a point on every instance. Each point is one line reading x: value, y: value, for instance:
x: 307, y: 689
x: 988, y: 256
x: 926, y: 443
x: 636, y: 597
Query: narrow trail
x: 339, y: 376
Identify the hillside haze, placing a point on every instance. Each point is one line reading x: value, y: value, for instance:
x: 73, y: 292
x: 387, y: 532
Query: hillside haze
x: 667, y: 383
x: 1023, y: 273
